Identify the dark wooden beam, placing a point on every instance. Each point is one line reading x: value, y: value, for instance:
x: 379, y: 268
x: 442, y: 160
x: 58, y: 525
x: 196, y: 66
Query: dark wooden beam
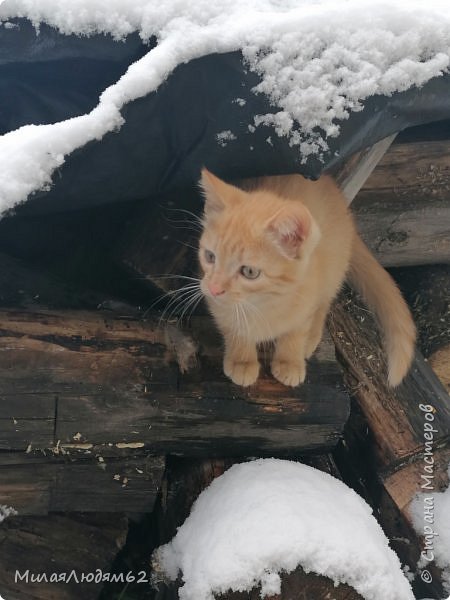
x: 91, y: 398
x: 86, y: 377
x: 403, y: 210
x: 59, y: 545
x: 80, y: 478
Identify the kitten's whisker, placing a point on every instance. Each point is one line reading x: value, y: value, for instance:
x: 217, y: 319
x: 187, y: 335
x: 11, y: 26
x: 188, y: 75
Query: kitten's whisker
x: 175, y: 276
x: 189, y: 246
x: 185, y: 288
x: 188, y: 304
x: 196, y: 217
x: 177, y: 297
x: 191, y: 305
x: 172, y: 293
x: 195, y: 222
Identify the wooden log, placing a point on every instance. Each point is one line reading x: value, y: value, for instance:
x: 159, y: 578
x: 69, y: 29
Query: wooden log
x: 394, y: 414
x: 65, y: 373
x: 88, y: 479
x: 440, y: 363
x: 160, y: 240
x: 34, y: 548
x: 296, y: 585
x: 86, y: 377
x: 403, y: 211
x: 395, y: 417
x: 427, y: 290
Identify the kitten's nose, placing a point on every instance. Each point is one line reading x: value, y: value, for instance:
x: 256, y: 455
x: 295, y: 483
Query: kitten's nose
x: 216, y: 289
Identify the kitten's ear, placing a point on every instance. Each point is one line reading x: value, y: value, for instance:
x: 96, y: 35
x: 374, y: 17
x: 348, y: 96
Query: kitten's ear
x: 218, y: 194
x: 293, y: 230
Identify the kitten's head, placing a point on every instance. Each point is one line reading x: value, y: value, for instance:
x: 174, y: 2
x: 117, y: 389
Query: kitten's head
x: 254, y: 245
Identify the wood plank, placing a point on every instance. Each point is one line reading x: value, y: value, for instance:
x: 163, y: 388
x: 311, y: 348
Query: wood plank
x: 162, y: 389
x: 298, y: 584
x: 440, y: 363
x: 393, y: 414
x: 60, y: 544
x: 75, y: 479
x: 403, y: 211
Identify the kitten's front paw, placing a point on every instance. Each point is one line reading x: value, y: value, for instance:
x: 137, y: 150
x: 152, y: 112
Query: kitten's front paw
x: 240, y: 372
x: 288, y: 373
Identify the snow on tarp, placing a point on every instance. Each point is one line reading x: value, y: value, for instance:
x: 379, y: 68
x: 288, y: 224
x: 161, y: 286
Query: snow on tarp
x: 268, y: 516
x: 318, y: 61
x: 430, y: 513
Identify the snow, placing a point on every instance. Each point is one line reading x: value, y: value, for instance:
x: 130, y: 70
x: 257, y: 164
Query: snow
x: 318, y: 61
x: 7, y: 511
x: 430, y: 512
x: 223, y: 137
x: 267, y: 516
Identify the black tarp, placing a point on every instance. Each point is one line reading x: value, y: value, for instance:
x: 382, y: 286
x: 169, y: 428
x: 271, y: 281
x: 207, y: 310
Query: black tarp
x: 46, y: 77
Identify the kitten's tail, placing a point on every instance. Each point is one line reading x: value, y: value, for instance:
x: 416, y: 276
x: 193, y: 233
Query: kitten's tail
x: 382, y: 296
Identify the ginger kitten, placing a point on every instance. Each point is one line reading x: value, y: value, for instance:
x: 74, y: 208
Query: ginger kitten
x: 274, y: 256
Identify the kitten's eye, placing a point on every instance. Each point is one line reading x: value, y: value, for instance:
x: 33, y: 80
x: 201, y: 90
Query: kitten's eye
x: 250, y: 272
x: 210, y: 257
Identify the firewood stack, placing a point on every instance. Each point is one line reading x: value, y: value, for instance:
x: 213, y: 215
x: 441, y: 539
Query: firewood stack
x: 112, y: 406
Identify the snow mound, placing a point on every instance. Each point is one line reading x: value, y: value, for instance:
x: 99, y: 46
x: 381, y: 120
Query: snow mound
x: 318, y: 61
x: 430, y: 513
x: 268, y: 516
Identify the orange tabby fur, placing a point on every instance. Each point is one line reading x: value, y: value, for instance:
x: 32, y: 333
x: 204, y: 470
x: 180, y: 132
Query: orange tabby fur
x: 299, y: 239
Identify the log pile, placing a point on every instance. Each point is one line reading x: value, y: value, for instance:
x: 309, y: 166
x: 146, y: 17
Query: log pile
x: 105, y: 411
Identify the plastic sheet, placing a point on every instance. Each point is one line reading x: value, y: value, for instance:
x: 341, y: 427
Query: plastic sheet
x: 168, y: 135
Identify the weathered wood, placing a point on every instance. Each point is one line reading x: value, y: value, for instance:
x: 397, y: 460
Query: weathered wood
x: 394, y: 414
x: 185, y: 480
x: 403, y: 211
x: 298, y: 585
x: 427, y: 290
x: 101, y: 479
x: 395, y: 417
x: 98, y: 379
x: 355, y: 460
x: 73, y: 545
x: 440, y: 363
x: 160, y: 241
